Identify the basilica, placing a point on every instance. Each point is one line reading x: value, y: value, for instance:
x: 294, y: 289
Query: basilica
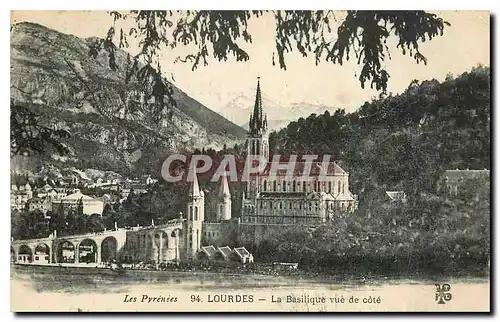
x: 311, y: 195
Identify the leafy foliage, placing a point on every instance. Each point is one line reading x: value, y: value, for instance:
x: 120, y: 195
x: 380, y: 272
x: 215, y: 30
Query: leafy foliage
x: 219, y: 33
x: 28, y: 135
x: 402, y: 142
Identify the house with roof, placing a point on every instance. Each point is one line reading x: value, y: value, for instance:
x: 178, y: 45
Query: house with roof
x: 452, y: 181
x: 43, y: 204
x: 20, y: 192
x: 223, y: 253
x: 242, y: 255
x: 72, y: 201
x: 206, y: 253
x: 396, y: 196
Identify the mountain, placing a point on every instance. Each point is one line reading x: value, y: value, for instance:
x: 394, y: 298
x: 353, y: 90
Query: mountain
x: 278, y: 114
x: 53, y: 74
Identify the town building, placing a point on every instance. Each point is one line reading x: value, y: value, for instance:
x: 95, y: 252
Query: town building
x: 72, y: 201
x: 43, y: 204
x: 20, y: 192
x: 452, y: 182
x: 178, y: 240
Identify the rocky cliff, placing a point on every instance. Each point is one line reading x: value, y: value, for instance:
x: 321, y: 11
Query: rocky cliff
x: 110, y: 128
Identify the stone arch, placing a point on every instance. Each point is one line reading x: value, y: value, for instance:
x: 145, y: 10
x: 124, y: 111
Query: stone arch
x: 66, y: 252
x: 164, y: 239
x: 109, y: 249
x: 87, y: 251
x: 25, y: 254
x: 42, y: 254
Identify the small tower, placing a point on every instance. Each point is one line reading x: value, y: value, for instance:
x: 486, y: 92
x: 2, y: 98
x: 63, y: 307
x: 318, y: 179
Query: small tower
x: 224, y: 200
x: 194, y: 222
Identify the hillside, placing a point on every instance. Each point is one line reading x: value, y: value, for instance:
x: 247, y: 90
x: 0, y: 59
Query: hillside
x: 53, y: 74
x: 403, y: 141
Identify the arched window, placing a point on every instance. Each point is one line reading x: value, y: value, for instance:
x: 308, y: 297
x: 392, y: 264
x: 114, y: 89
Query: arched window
x: 329, y: 186
x: 264, y: 185
x: 281, y: 205
x: 270, y: 205
x: 339, y: 185
x: 195, y: 213
x: 294, y: 185
x: 284, y: 185
x: 190, y: 216
x: 303, y: 186
x: 258, y: 147
x: 274, y: 185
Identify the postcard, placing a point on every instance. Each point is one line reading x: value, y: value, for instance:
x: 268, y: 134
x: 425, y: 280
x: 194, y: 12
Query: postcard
x: 250, y: 161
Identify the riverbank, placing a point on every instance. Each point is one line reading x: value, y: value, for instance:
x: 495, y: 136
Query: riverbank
x: 82, y: 279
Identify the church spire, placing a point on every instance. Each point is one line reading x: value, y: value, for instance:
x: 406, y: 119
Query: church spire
x: 257, y: 122
x: 194, y: 190
x: 224, y: 187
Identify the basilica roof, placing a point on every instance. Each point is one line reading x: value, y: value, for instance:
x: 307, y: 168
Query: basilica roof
x: 313, y: 169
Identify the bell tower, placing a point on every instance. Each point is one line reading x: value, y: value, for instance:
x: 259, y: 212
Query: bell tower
x: 258, y: 136
x: 224, y: 201
x: 195, y: 216
x: 257, y: 139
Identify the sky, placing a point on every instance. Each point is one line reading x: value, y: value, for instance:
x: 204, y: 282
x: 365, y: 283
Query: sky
x: 465, y: 44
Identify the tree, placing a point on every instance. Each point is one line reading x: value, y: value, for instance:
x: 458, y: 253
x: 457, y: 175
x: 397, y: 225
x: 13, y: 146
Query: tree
x: 29, y: 136
x: 360, y: 34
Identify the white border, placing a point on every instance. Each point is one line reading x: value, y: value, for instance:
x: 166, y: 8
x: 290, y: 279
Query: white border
x: 187, y: 4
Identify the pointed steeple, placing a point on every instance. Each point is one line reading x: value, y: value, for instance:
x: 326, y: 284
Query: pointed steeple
x: 250, y: 123
x: 257, y: 120
x: 194, y: 190
x: 224, y: 187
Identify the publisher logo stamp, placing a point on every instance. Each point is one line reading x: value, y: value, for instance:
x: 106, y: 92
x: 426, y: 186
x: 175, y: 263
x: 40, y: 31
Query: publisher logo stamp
x: 443, y: 294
